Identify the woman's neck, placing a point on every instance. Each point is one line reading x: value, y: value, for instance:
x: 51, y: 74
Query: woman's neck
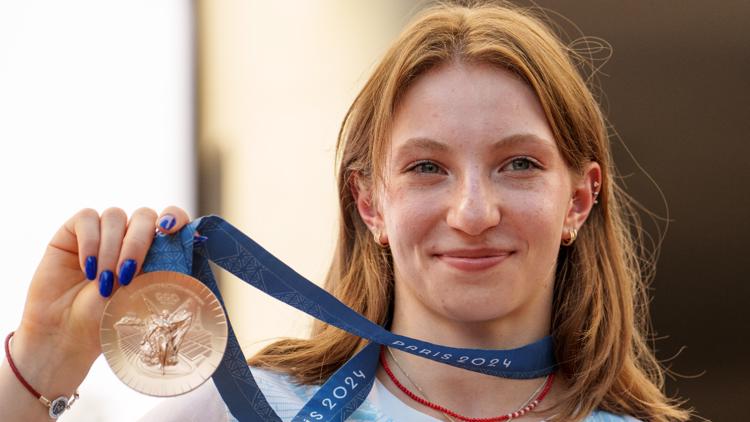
x: 515, y: 328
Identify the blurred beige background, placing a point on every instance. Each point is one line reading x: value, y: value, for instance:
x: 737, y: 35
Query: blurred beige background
x: 275, y: 81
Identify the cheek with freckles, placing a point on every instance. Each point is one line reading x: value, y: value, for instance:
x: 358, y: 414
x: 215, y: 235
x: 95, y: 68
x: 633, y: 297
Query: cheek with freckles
x: 412, y: 220
x: 409, y: 216
x: 538, y: 216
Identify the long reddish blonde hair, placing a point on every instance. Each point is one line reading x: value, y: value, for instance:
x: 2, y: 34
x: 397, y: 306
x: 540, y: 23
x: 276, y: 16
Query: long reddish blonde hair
x: 600, y: 316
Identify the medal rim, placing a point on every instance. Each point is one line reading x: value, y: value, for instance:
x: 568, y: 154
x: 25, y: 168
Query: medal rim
x: 138, y: 280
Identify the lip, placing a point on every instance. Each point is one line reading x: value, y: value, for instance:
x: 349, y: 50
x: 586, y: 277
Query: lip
x: 473, y: 260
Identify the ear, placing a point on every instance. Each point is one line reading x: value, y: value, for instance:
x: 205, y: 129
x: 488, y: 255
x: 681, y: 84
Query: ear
x: 585, y: 190
x: 368, y: 207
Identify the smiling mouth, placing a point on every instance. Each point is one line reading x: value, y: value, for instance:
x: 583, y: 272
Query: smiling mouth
x: 473, y: 263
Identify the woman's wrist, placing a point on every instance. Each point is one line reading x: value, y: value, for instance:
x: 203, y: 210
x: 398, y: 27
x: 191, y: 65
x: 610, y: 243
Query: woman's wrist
x: 51, y: 371
x: 47, y: 373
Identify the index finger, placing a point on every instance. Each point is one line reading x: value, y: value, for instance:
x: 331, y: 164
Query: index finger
x: 135, y: 245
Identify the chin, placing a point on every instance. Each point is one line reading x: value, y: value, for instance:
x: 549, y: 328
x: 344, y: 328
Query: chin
x: 477, y: 311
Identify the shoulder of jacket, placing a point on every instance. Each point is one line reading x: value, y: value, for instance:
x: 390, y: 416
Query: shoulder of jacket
x: 278, y: 385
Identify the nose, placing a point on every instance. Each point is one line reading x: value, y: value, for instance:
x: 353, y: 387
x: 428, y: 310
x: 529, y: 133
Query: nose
x: 474, y: 209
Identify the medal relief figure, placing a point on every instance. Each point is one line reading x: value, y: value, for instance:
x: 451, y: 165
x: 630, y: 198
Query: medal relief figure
x: 162, y: 333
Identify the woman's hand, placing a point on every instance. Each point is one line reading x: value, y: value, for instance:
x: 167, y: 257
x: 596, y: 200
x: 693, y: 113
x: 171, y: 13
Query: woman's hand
x: 88, y: 258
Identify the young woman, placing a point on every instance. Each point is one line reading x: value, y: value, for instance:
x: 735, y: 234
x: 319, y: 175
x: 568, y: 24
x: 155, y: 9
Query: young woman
x: 478, y: 210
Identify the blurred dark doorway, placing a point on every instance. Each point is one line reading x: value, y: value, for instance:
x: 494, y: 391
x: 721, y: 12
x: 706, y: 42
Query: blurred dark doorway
x: 676, y: 89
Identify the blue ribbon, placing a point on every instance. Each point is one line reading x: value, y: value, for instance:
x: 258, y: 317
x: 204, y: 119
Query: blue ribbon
x: 346, y: 389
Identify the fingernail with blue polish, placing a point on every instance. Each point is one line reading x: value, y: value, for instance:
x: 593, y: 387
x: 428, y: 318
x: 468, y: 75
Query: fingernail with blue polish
x: 127, y: 270
x: 106, y: 281
x: 167, y: 222
x: 90, y: 267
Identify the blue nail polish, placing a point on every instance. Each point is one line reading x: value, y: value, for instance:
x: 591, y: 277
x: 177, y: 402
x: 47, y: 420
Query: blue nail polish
x: 127, y: 270
x: 167, y: 222
x: 106, y: 282
x: 90, y: 267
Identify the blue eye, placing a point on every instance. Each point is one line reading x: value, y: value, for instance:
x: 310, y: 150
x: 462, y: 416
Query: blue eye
x: 522, y: 164
x: 425, y: 167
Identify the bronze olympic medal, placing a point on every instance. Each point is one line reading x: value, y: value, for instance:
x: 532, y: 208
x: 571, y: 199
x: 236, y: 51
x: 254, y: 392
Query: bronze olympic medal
x: 164, y: 334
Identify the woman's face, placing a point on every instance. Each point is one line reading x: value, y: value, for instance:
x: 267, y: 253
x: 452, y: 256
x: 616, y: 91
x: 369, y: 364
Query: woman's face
x: 476, y: 197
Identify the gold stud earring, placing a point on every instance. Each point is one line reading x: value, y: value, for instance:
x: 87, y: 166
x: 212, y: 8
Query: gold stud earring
x: 377, y: 234
x: 572, y: 238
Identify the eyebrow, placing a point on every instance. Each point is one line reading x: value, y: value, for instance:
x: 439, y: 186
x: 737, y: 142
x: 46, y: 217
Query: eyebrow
x: 431, y: 144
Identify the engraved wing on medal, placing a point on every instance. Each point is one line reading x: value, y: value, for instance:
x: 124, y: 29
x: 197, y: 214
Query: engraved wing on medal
x: 165, y: 341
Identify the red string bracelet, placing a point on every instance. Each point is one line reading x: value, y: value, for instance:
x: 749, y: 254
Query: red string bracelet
x: 517, y: 414
x: 57, y: 406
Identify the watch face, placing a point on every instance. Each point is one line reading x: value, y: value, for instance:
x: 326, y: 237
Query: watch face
x: 164, y: 334
x: 57, y: 407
